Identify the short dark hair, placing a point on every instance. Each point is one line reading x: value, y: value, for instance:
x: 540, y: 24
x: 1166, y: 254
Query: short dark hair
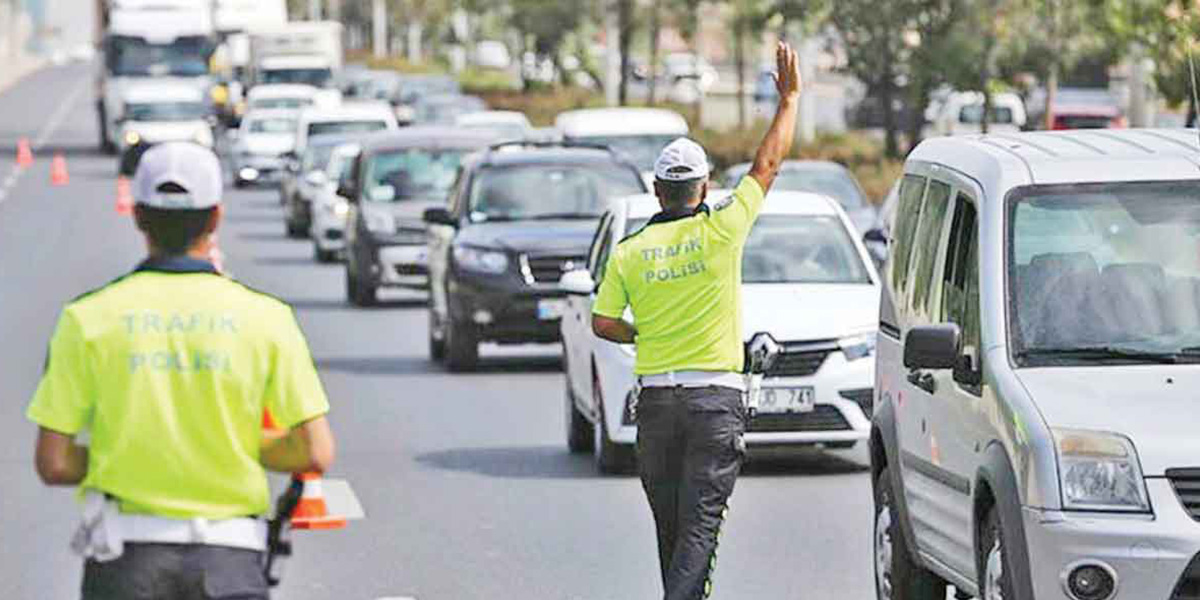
x: 173, y: 231
x: 679, y: 193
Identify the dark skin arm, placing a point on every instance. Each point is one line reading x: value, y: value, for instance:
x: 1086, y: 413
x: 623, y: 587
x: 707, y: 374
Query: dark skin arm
x: 613, y: 330
x: 58, y: 459
x: 778, y: 141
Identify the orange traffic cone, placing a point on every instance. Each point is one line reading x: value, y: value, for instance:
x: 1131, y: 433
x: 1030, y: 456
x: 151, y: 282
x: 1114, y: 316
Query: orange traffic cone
x: 124, y: 196
x: 58, y: 171
x: 24, y: 154
x: 312, y: 512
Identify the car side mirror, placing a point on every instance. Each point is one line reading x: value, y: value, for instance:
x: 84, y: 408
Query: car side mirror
x: 441, y: 216
x: 577, y: 283
x: 932, y: 348
x: 875, y: 235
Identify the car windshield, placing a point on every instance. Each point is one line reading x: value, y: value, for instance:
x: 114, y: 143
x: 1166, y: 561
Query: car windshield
x: 286, y: 103
x: 134, y: 57
x: 509, y: 193
x: 316, y: 157
x: 827, y: 181
x: 797, y: 249
x: 166, y: 111
x: 340, y: 163
x: 285, y: 126
x: 641, y: 150
x: 1104, y: 271
x: 412, y: 174
x: 313, y: 77
x: 323, y: 127
x: 972, y: 114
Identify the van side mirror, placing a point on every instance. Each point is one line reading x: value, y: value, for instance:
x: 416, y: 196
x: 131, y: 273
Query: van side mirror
x: 932, y: 348
x: 441, y: 216
x: 875, y: 235
x: 348, y: 190
x: 577, y: 283
x: 967, y: 370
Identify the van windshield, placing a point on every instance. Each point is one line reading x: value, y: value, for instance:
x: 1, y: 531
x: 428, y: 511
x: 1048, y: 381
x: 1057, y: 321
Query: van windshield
x: 641, y: 150
x: 1106, y: 273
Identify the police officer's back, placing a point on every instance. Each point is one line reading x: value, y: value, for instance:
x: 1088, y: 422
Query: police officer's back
x: 170, y: 369
x: 681, y: 278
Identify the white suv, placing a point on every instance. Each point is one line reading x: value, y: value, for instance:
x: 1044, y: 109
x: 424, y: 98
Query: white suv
x: 807, y: 281
x: 1035, y: 431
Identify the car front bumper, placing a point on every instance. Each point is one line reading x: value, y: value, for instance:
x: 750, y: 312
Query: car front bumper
x: 506, y: 313
x: 1150, y: 555
x: 402, y: 266
x: 328, y: 230
x: 258, y: 169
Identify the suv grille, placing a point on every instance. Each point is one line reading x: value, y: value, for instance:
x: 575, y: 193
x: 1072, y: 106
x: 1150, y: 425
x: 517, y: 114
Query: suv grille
x: 549, y: 269
x: 1188, y: 587
x: 824, y: 417
x: 802, y: 361
x: 1187, y: 486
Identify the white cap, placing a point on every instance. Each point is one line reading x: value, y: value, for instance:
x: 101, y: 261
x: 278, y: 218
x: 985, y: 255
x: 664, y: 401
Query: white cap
x: 191, y: 173
x: 681, y: 160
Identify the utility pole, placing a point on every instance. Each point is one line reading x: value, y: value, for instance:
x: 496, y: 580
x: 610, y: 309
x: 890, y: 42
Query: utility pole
x: 612, y: 54
x: 333, y: 10
x: 314, y: 10
x: 379, y: 23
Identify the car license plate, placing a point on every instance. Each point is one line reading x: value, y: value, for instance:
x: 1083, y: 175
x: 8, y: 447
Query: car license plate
x: 551, y: 309
x: 787, y: 400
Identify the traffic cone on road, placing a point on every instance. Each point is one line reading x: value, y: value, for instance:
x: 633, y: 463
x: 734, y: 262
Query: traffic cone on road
x: 24, y: 153
x: 124, y: 196
x: 312, y: 512
x: 58, y: 171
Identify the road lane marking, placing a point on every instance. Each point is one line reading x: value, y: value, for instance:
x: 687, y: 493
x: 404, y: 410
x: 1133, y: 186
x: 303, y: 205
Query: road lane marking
x: 49, y: 129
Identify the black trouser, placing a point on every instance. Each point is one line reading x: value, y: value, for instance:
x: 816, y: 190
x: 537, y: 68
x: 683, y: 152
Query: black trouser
x: 177, y: 572
x: 690, y: 450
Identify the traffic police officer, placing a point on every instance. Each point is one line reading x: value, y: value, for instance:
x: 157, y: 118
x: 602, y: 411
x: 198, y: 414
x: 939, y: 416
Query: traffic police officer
x: 170, y: 369
x: 681, y: 276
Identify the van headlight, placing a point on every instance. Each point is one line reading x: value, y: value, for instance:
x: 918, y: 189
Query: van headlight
x: 132, y: 138
x: 480, y: 260
x: 858, y: 346
x: 1099, y: 472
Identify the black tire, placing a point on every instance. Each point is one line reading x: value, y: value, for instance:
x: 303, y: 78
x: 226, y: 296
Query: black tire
x: 296, y: 230
x: 358, y: 291
x: 323, y: 256
x: 991, y: 541
x: 611, y: 458
x: 437, y: 338
x: 240, y: 184
x: 841, y: 445
x: 106, y: 145
x: 579, y: 429
x: 462, y: 346
x: 904, y: 578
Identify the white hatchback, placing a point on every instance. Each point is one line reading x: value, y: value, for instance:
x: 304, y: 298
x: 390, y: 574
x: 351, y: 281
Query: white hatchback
x: 807, y: 281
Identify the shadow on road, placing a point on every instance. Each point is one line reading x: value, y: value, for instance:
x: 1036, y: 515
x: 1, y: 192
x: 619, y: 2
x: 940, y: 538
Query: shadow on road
x: 49, y: 150
x: 288, y: 261
x: 808, y: 462
x: 252, y: 218
x: 525, y: 462
x: 416, y: 365
x: 335, y: 304
x: 263, y: 236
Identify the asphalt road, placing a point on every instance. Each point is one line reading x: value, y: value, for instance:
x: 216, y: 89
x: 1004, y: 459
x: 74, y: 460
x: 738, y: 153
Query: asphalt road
x: 466, y: 481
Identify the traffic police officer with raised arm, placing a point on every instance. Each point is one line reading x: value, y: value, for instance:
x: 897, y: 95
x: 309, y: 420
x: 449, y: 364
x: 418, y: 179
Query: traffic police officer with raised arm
x: 169, y: 370
x: 681, y: 277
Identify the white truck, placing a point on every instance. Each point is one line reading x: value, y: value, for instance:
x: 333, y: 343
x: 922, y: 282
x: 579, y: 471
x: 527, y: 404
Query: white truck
x: 142, y: 40
x: 236, y: 22
x: 305, y: 52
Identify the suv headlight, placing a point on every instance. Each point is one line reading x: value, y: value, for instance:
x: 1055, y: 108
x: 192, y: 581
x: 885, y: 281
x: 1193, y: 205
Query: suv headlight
x: 1099, y: 471
x: 858, y: 346
x: 379, y: 224
x: 480, y: 260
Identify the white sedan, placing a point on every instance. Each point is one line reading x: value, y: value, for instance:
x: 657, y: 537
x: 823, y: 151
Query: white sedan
x: 807, y: 281
x: 328, y: 230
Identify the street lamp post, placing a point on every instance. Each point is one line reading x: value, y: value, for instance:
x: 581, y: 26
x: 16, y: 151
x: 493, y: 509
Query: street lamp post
x: 379, y: 28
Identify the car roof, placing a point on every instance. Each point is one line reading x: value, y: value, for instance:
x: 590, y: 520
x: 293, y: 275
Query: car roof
x: 621, y: 121
x: 349, y: 111
x: 531, y: 154
x: 429, y: 136
x: 281, y: 90
x: 779, y: 202
x: 1002, y: 161
x: 271, y: 113
x: 163, y: 92
x: 492, y: 117
x: 805, y: 165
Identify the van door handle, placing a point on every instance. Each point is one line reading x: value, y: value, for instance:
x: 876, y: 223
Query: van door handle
x: 923, y: 380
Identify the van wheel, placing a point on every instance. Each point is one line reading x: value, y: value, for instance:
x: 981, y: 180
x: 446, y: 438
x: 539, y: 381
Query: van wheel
x: 462, y: 346
x: 897, y: 575
x: 579, y: 429
x: 323, y: 256
x: 611, y: 458
x: 437, y: 338
x: 997, y: 580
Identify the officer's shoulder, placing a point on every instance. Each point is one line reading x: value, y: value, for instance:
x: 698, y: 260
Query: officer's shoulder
x: 632, y: 236
x: 267, y: 299
x: 97, y: 293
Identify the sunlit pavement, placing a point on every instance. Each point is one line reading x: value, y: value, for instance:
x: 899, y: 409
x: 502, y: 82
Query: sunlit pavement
x: 466, y: 481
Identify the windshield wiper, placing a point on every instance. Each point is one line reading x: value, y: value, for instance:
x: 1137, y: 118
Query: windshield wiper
x: 565, y: 215
x: 1110, y: 353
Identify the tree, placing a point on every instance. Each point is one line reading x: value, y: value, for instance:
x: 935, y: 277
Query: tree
x: 1166, y: 31
x: 748, y: 18
x: 626, y: 29
x: 655, y: 30
x: 545, y: 25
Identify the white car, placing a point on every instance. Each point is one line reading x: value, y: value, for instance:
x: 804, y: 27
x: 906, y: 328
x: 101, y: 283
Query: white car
x: 638, y: 133
x: 360, y: 117
x: 330, y: 208
x: 807, y: 281
x: 264, y: 139
x: 961, y: 113
x: 155, y: 113
x: 508, y: 124
x: 293, y: 96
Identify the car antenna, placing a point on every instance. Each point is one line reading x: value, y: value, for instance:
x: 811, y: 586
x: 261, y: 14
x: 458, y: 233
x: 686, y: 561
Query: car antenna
x: 1195, y: 94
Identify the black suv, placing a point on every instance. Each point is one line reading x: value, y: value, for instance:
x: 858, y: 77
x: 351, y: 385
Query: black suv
x: 396, y: 178
x: 519, y: 217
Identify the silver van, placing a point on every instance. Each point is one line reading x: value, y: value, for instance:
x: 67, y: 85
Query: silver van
x: 1037, y: 422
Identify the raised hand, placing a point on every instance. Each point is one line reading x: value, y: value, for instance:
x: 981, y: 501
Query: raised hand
x: 787, y: 71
